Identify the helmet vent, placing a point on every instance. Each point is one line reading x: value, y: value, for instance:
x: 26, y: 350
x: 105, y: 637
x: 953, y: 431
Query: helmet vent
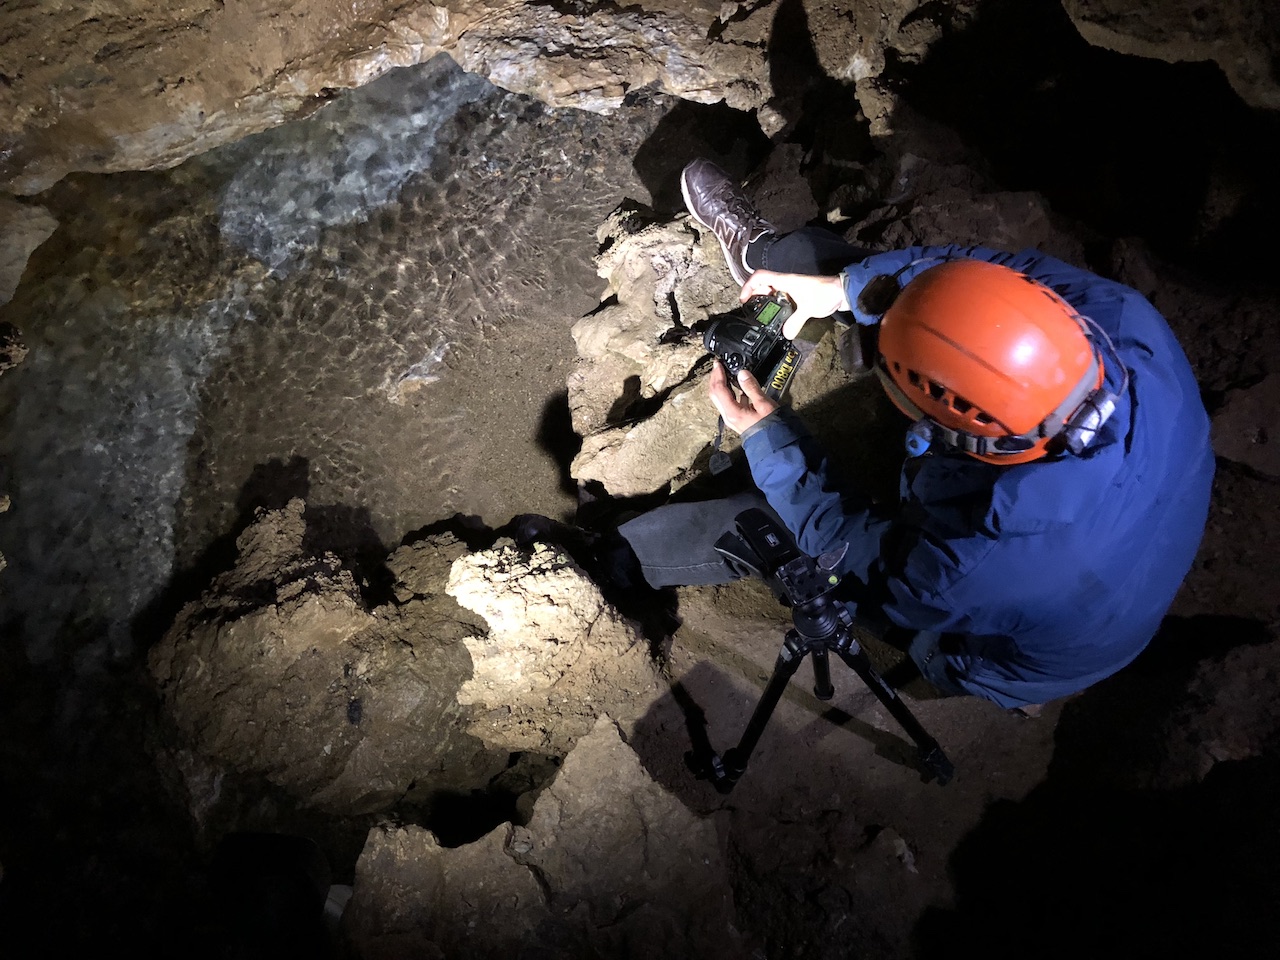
x: 938, y: 392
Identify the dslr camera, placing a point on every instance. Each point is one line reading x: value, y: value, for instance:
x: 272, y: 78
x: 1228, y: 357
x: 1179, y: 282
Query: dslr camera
x: 750, y: 338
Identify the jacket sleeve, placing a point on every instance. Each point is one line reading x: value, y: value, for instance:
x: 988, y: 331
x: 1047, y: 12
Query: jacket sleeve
x: 792, y: 472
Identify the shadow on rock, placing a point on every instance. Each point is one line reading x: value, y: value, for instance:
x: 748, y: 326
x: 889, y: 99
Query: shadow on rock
x: 1187, y: 872
x: 556, y: 436
x: 690, y: 130
x: 703, y: 717
x: 1125, y: 850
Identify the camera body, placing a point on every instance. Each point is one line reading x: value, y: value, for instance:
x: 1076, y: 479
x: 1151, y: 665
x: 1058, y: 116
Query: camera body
x: 750, y: 338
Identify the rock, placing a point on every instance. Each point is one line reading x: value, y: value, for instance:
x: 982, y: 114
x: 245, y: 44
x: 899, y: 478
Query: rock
x: 660, y: 282
x: 280, y: 672
x: 415, y: 898
x: 421, y: 570
x: 125, y: 86
x: 23, y: 227
x: 556, y: 655
x: 1244, y: 424
x: 1231, y: 714
x: 1237, y: 35
x: 109, y: 87
x: 931, y: 202
x: 609, y: 865
x: 12, y: 350
x: 633, y: 460
x: 629, y: 395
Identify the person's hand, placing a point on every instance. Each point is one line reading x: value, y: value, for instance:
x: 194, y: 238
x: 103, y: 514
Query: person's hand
x: 813, y: 296
x: 739, y: 411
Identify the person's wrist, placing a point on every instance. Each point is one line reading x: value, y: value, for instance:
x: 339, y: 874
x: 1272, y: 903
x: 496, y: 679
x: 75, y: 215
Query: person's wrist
x: 844, y: 293
x: 759, y: 424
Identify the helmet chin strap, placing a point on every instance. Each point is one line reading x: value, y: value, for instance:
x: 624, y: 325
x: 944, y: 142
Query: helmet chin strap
x: 1075, y: 421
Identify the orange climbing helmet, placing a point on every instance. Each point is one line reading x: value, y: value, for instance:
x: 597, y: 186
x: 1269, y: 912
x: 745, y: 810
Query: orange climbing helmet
x: 989, y: 361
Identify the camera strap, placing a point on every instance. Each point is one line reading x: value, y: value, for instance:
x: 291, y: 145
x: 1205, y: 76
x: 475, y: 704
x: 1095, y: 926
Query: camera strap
x: 719, y: 461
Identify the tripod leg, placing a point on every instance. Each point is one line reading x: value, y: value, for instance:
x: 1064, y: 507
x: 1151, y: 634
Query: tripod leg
x: 932, y: 758
x: 726, y: 772
x: 822, y: 688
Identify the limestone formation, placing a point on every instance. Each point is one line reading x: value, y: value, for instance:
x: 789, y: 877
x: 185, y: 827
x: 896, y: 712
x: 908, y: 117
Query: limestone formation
x: 108, y: 87
x: 636, y: 395
x: 122, y: 86
x: 23, y: 227
x: 12, y: 350
x: 934, y: 201
x: 556, y: 654
x: 1229, y: 714
x: 1240, y: 36
x: 281, y: 671
x: 609, y: 865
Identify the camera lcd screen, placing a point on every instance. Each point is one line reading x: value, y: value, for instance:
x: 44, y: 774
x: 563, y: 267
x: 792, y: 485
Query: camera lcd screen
x: 769, y: 312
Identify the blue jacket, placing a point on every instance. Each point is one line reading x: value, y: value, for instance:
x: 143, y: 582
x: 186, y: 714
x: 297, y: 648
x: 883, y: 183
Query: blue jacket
x: 1046, y: 576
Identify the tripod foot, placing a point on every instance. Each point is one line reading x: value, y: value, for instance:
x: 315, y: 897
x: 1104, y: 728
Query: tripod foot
x: 937, y: 766
x: 723, y: 772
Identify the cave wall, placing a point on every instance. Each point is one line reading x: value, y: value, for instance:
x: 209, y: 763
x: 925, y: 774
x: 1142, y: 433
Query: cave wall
x: 133, y: 84
x: 1241, y: 36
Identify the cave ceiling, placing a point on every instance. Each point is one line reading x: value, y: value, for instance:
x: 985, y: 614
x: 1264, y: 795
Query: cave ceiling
x: 134, y: 84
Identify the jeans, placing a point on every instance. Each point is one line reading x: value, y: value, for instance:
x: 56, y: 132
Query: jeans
x: 675, y: 543
x: 809, y: 250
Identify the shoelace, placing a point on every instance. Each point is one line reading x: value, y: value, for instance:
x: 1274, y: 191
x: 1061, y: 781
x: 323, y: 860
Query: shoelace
x: 737, y: 206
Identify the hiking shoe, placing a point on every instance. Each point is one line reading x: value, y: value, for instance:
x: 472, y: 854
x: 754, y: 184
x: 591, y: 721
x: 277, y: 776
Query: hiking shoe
x: 717, y: 202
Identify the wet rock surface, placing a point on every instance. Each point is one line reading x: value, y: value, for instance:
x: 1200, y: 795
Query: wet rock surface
x: 481, y: 334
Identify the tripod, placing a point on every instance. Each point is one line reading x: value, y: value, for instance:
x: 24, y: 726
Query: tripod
x: 822, y: 625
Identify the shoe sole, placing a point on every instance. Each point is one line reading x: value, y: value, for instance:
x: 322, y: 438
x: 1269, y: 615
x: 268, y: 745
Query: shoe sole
x: 688, y: 203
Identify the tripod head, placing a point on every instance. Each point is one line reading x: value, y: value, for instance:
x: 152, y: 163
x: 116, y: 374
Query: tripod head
x: 767, y: 550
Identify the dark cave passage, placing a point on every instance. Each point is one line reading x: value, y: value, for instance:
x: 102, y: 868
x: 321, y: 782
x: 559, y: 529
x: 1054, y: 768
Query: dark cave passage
x: 1126, y: 145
